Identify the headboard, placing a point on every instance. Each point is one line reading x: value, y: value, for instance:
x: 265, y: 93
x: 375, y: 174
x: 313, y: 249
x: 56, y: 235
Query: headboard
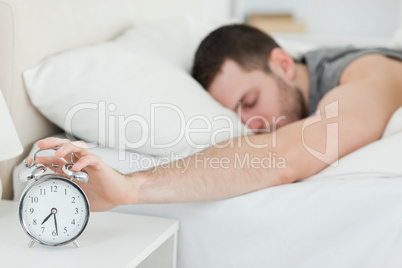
x: 30, y: 30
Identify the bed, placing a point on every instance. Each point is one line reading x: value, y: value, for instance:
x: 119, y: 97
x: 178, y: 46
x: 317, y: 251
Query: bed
x: 345, y: 216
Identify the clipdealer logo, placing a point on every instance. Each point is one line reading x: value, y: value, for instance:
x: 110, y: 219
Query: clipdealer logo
x: 112, y: 131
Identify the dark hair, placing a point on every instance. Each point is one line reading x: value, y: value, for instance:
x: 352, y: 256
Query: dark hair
x: 244, y: 44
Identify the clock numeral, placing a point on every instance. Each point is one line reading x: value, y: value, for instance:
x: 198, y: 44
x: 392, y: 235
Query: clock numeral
x: 65, y: 191
x: 31, y: 210
x: 54, y: 233
x: 73, y: 201
x: 34, y: 199
x: 34, y: 222
x: 53, y: 188
x: 43, y: 229
x: 73, y: 222
x: 76, y: 210
x: 65, y: 230
x: 42, y: 191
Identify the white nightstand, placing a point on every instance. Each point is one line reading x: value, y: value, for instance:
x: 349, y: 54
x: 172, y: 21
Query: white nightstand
x: 110, y: 240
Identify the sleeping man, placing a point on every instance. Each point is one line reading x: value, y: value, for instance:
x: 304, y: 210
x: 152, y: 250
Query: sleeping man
x: 310, y: 112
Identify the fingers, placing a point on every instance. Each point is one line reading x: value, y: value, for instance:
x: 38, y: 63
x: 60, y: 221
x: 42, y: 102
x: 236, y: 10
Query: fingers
x: 85, y: 161
x: 51, y: 142
x: 83, y: 156
x: 50, y: 161
x: 79, y: 148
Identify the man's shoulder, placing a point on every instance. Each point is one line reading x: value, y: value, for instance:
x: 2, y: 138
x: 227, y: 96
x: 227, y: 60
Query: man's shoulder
x: 327, y: 64
x: 373, y: 65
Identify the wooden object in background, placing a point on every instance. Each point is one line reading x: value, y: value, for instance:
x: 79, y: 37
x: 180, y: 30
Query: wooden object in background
x: 276, y: 23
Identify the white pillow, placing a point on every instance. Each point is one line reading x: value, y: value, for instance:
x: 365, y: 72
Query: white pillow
x: 173, y: 41
x: 133, y: 93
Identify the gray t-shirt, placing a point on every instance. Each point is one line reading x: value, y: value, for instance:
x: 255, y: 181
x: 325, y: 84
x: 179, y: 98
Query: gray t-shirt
x: 325, y: 66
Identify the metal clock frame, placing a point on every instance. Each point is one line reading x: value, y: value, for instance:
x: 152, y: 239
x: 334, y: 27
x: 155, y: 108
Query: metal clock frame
x: 40, y: 180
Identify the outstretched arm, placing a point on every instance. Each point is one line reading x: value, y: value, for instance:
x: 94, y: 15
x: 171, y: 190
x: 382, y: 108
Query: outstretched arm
x: 246, y: 165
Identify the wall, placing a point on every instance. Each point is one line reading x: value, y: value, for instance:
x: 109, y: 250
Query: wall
x: 223, y: 10
x: 363, y: 18
x: 400, y: 15
x: 216, y: 10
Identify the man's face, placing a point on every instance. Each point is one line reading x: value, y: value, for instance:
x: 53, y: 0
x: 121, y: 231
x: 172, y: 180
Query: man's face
x: 263, y: 101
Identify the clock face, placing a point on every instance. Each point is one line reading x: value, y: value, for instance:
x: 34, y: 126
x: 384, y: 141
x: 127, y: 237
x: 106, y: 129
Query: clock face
x: 54, y: 211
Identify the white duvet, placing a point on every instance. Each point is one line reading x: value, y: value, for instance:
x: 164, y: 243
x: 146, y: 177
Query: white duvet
x: 348, y: 216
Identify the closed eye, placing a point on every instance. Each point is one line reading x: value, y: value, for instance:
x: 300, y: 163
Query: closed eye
x: 248, y: 101
x: 251, y: 104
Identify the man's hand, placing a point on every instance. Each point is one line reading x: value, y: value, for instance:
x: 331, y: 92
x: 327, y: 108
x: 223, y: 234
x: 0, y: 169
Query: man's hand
x: 106, y: 188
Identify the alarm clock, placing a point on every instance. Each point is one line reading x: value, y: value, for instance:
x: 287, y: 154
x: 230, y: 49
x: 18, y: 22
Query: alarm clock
x: 53, y: 209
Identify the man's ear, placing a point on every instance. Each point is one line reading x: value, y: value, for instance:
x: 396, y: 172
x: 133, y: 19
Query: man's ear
x: 282, y: 64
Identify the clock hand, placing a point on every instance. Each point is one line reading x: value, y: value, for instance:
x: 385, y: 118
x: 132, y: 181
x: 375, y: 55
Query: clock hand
x: 52, y: 211
x: 55, y: 223
x: 48, y: 216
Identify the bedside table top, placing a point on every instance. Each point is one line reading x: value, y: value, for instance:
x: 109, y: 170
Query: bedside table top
x: 110, y: 240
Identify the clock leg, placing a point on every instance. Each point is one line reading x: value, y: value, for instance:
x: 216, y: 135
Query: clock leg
x: 75, y: 242
x: 31, y: 243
